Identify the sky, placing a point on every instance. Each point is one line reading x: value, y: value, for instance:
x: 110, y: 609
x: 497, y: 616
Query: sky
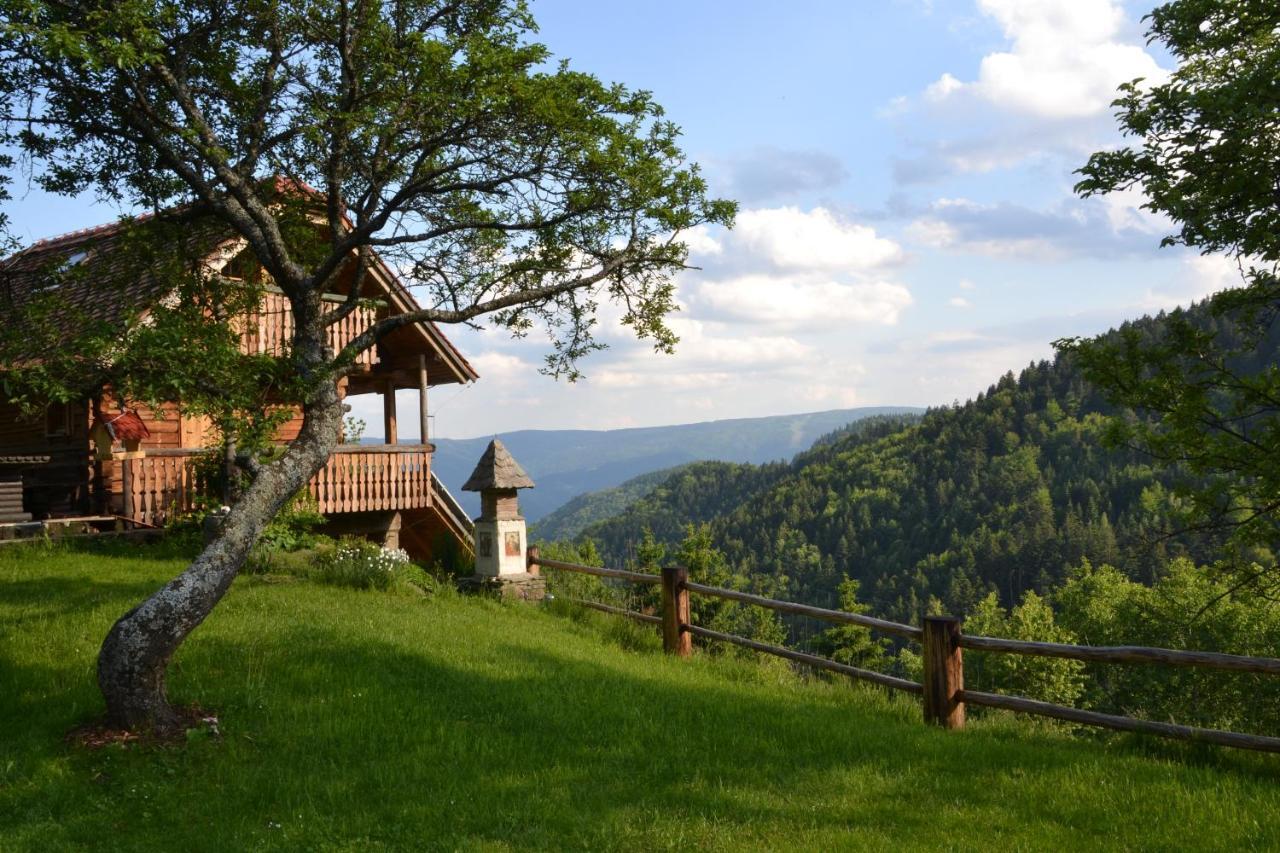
x: 907, y: 229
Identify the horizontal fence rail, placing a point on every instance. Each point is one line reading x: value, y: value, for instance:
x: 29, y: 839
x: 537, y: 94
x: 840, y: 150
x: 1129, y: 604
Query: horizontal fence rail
x: 1123, y: 654
x: 619, y: 574
x: 676, y: 589
x: 810, y: 660
x: 943, y: 641
x: 1119, y: 723
x: 616, y: 611
x: 895, y: 628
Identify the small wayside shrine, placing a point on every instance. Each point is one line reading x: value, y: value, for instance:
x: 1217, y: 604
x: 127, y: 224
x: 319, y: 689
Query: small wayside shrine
x: 501, y: 541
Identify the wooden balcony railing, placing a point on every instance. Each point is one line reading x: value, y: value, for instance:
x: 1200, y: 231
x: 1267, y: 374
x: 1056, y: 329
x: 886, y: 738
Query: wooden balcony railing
x: 357, y: 478
x: 363, y: 478
x: 269, y: 330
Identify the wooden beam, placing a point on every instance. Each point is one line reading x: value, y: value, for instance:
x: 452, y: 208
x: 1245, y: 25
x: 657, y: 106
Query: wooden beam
x: 422, y: 398
x: 389, y: 433
x: 807, y: 610
x: 1124, y: 654
x: 1123, y: 724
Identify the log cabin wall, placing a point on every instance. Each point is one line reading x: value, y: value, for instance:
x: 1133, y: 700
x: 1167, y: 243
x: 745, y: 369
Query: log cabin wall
x: 48, y: 454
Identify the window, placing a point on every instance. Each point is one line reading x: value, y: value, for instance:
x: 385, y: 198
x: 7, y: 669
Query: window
x: 57, y: 420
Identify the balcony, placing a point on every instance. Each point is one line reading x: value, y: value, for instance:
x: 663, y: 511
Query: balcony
x: 356, y: 478
x: 269, y: 330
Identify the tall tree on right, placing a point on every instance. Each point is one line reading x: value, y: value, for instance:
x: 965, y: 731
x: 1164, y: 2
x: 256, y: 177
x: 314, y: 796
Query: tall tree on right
x: 1205, y: 152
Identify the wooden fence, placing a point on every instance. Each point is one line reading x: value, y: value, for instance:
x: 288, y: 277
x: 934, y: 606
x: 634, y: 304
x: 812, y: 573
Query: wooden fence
x: 942, y: 640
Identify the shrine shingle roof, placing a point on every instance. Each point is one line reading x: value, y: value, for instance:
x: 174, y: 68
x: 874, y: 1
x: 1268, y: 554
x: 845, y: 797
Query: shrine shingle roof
x: 497, y: 469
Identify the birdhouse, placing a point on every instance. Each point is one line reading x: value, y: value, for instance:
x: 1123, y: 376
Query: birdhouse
x: 500, y: 529
x: 119, y: 435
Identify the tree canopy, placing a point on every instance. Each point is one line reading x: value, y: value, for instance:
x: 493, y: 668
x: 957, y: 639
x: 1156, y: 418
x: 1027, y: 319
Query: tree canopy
x: 1204, y: 154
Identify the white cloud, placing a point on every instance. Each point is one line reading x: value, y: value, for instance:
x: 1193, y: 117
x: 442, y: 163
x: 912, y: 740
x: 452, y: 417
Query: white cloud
x: 700, y: 241
x: 959, y: 302
x: 1065, y: 59
x: 943, y: 87
x: 787, y: 268
x: 1203, y: 276
x: 700, y: 346
x: 768, y: 172
x: 502, y: 368
x: 800, y: 302
x: 1099, y: 227
x: 965, y: 284
x: 614, y: 379
x: 792, y: 239
x: 1125, y: 212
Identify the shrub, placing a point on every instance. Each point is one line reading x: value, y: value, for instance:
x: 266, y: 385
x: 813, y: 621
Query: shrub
x: 294, y: 527
x: 360, y: 564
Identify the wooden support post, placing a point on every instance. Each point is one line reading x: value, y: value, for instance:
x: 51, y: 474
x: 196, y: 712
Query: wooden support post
x: 943, y: 672
x: 422, y: 397
x: 675, y: 611
x: 389, y: 431
x: 531, y: 560
x: 126, y: 487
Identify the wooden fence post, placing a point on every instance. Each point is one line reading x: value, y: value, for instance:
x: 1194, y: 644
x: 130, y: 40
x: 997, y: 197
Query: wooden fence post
x: 531, y: 561
x: 675, y: 611
x: 943, y: 672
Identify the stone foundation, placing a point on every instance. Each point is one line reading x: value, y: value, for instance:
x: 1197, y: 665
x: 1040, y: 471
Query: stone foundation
x: 515, y: 587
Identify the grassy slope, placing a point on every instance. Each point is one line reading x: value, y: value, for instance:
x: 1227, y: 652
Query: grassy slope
x: 367, y: 720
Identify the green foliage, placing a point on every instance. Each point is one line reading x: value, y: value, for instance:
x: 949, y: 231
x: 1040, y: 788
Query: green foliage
x: 440, y: 134
x: 353, y: 429
x: 650, y: 554
x: 1204, y: 156
x: 1057, y: 680
x: 707, y: 565
x: 571, y: 518
x: 852, y: 644
x: 569, y: 585
x: 1187, y: 608
x: 294, y: 527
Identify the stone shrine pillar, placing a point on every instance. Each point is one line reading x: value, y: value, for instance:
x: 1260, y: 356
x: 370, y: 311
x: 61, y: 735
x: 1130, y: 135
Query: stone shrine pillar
x: 500, y: 535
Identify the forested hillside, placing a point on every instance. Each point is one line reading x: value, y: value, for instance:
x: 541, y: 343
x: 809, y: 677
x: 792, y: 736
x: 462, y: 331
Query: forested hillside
x: 1002, y: 494
x: 569, y: 463
x: 569, y: 521
x: 587, y: 509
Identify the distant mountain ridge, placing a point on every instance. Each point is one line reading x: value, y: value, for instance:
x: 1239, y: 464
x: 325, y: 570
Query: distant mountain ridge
x: 568, y: 463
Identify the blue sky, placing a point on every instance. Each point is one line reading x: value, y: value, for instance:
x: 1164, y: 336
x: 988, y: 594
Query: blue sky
x: 907, y: 230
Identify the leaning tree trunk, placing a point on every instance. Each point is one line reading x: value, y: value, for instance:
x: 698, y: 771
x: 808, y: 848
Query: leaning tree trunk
x: 135, y: 655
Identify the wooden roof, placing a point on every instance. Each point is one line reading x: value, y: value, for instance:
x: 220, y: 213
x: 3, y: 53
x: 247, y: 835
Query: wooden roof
x: 497, y: 469
x: 99, y: 281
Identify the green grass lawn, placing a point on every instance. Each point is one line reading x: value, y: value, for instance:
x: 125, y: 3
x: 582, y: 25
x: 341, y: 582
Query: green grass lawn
x: 363, y: 720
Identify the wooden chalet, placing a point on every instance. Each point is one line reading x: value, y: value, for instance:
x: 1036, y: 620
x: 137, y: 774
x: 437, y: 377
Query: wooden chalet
x: 52, y: 469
